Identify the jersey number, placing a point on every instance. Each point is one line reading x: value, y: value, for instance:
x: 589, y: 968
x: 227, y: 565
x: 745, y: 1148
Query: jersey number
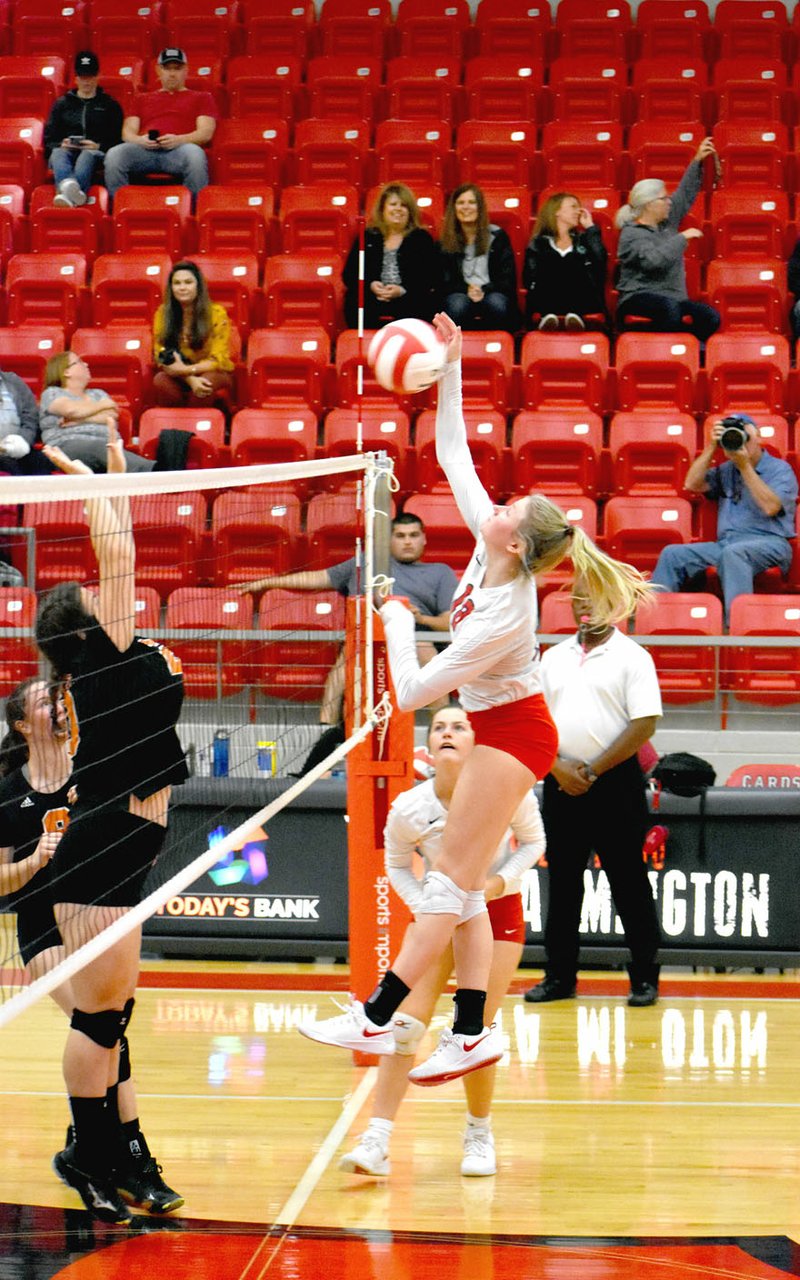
x: 463, y: 606
x: 55, y: 820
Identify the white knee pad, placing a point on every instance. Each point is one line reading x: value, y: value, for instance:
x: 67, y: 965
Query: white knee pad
x: 407, y: 1033
x: 441, y: 896
x: 475, y: 905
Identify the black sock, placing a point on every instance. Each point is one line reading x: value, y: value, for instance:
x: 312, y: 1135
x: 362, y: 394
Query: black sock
x: 92, y: 1149
x: 134, y: 1143
x: 112, y: 1108
x: 469, y: 1011
x: 390, y: 992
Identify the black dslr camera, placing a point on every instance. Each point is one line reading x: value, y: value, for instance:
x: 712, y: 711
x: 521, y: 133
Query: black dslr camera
x: 734, y: 434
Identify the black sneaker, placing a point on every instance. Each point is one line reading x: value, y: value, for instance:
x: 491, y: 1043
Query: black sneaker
x: 97, y: 1191
x: 642, y: 994
x: 140, y: 1183
x: 550, y: 989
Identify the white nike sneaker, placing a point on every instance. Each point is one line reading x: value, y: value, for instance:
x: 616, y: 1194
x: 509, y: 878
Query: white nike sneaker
x: 457, y: 1055
x: 351, y: 1030
x: 479, y: 1157
x: 370, y: 1155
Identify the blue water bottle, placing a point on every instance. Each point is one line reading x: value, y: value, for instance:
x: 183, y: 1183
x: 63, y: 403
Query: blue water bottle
x: 220, y: 759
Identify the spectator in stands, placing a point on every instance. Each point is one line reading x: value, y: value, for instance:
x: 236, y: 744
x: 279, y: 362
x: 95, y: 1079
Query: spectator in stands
x: 167, y: 131
x: 191, y: 343
x: 565, y: 266
x: 479, y: 275
x: 652, y: 276
x: 756, y: 497
x: 429, y: 587
x: 794, y: 287
x: 82, y: 126
x: 400, y: 263
x: 19, y: 429
x: 80, y: 420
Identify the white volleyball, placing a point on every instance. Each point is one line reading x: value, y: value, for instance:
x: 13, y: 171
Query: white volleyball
x: 407, y: 356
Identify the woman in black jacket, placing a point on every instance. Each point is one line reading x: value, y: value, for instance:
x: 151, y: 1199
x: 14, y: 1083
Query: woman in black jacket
x: 82, y: 126
x: 565, y: 266
x: 478, y: 268
x: 399, y: 263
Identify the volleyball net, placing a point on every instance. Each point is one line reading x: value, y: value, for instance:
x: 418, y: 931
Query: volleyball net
x: 263, y: 669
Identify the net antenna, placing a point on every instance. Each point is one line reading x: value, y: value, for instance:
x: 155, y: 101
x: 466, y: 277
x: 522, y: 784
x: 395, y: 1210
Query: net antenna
x: 197, y: 855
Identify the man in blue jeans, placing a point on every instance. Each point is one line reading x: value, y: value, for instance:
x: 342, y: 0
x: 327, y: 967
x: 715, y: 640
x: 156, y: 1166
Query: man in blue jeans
x: 756, y: 497
x: 166, y: 132
x: 82, y: 125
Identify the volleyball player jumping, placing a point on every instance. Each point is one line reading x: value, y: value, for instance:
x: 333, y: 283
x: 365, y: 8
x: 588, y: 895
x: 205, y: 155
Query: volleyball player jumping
x: 493, y: 662
x: 123, y: 697
x: 35, y: 787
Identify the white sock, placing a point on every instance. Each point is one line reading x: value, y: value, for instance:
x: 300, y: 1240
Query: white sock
x: 479, y: 1122
x: 382, y: 1127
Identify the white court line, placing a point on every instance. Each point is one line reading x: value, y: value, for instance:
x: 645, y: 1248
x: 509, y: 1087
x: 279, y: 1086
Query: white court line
x: 297, y: 1200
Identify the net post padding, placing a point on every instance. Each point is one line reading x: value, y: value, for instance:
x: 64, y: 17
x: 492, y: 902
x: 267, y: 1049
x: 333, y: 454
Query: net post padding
x: 379, y: 768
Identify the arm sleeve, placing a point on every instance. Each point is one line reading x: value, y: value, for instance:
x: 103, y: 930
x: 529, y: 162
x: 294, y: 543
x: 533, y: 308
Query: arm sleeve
x: 529, y: 267
x: 453, y: 455
x: 640, y: 248
x: 112, y: 132
x: 598, y: 254
x: 784, y: 483
x: 339, y: 575
x: 528, y: 828
x: 219, y: 341
x: 27, y: 408
x: 686, y: 194
x: 502, y: 267
x: 399, y: 846
x: 642, y: 692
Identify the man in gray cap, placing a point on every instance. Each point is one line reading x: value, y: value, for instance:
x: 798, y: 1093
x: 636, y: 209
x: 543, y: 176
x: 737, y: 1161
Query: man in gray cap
x: 756, y: 497
x: 166, y: 131
x: 82, y: 125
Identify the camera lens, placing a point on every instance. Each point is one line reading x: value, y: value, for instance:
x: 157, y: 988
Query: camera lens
x: 733, y: 437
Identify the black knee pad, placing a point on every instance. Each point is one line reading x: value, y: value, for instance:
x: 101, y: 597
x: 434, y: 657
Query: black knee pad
x: 127, y: 1014
x: 124, y: 1061
x: 104, y: 1028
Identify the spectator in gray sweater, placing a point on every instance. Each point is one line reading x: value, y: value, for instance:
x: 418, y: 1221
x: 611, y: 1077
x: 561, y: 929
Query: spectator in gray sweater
x: 652, y: 278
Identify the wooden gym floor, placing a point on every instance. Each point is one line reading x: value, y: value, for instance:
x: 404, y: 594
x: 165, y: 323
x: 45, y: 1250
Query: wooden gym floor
x: 632, y: 1143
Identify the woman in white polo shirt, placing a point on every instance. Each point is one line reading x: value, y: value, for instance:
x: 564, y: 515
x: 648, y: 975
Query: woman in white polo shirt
x: 602, y: 691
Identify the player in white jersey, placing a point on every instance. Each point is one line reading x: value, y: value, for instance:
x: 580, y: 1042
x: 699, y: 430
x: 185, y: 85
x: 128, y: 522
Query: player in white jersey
x: 493, y: 662
x: 415, y: 824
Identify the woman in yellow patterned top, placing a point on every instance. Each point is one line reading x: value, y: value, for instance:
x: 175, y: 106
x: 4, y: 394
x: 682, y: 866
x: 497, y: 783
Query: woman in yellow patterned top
x: 191, y: 343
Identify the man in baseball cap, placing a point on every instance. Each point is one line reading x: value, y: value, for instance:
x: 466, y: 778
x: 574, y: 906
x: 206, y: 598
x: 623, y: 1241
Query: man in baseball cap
x: 166, y: 131
x: 82, y: 125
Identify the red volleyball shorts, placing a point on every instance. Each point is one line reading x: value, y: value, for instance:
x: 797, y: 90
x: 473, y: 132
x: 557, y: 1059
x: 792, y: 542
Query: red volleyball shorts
x: 505, y: 916
x: 523, y: 729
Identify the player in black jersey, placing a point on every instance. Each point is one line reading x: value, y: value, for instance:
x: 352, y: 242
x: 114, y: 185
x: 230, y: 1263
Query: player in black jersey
x: 123, y: 697
x: 35, y: 793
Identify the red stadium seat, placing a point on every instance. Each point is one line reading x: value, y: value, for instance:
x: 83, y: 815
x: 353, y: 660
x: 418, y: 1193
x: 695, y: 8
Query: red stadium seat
x: 748, y: 30
x: 514, y: 27
x: 504, y: 87
x: 63, y: 547
x: 581, y: 155
x: 20, y: 657
x: 304, y: 289
x: 752, y: 155
x: 118, y: 35
x: 169, y: 530
x: 679, y: 28
x: 767, y: 676
x: 414, y: 151
x: 120, y: 359
x: 147, y: 607
x: 233, y: 281
x: 292, y: 668
x: 424, y: 88
x: 637, y: 528
x: 487, y: 366
x: 333, y: 522
x: 750, y: 369
x: 280, y: 28
x: 207, y: 427
x: 25, y: 350
x: 564, y: 371
x: 274, y: 435
x: 206, y: 40
x: 510, y: 208
x: 318, y: 219
x: 587, y: 28
x: 379, y: 431
x: 491, y: 151
x: 351, y: 356
x: 689, y: 674
x: 749, y: 295
x: 250, y: 151
x: 236, y: 220
x: 30, y: 85
x: 447, y: 538
x: 657, y: 369
x: 44, y: 288
x: 670, y: 88
x: 151, y: 219
x: 355, y: 28
x: 287, y: 366
x: 255, y: 532
x: 21, y: 151
x: 331, y: 151
x: 84, y: 233
x: 213, y: 668
x: 651, y: 451
x: 750, y: 224
x: 752, y: 89
x: 53, y: 34
x: 556, y: 617
x: 663, y: 146
x: 435, y: 28
x: 127, y: 288
x: 589, y: 87
x: 343, y: 86
x: 264, y: 86
x: 557, y: 453
x: 486, y: 433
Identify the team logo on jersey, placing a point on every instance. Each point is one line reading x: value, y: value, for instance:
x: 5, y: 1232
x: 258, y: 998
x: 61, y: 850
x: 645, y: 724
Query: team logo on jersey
x: 27, y: 803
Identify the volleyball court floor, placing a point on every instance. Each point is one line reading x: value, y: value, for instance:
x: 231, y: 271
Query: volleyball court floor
x: 631, y: 1143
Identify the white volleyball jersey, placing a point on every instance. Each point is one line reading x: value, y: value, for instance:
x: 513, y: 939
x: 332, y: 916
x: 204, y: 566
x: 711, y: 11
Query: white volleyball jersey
x: 494, y: 656
x: 415, y: 824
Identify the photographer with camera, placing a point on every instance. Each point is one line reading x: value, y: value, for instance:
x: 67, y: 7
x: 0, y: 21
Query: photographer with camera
x: 756, y: 497
x: 191, y: 344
